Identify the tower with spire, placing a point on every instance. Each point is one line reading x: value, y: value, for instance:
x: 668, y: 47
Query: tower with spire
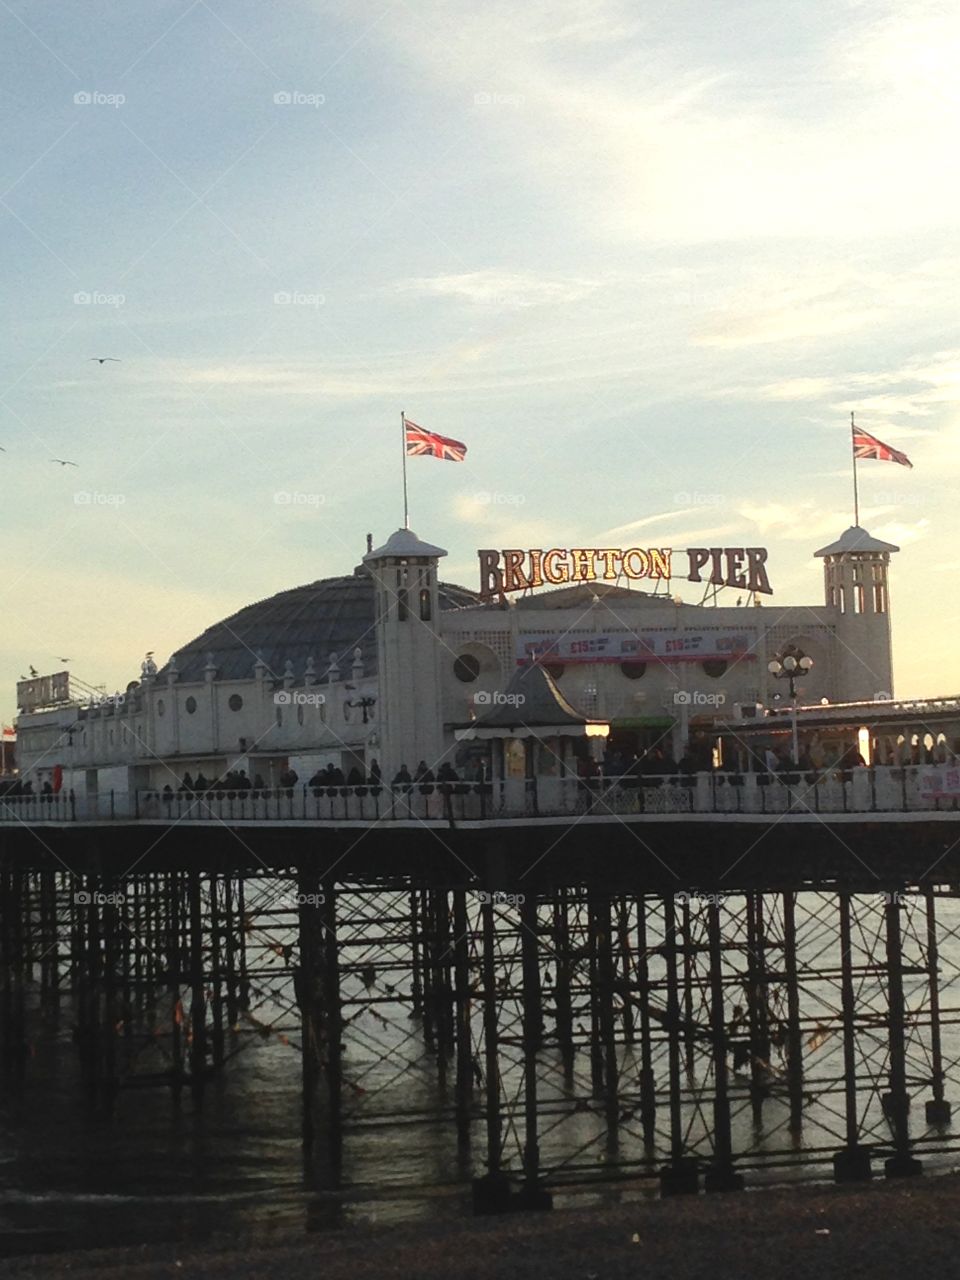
x: 408, y: 651
x: 857, y: 593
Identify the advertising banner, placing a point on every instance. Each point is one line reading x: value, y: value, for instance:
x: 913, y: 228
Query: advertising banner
x: 665, y: 646
x: 940, y: 781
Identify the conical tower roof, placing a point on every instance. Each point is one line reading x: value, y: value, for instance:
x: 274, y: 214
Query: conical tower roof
x: 855, y: 539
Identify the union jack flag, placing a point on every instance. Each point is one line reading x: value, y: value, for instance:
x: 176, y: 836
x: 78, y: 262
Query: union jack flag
x: 429, y: 444
x: 867, y: 446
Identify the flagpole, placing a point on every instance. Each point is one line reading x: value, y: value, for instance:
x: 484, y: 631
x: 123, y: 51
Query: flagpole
x: 856, y: 494
x: 403, y: 444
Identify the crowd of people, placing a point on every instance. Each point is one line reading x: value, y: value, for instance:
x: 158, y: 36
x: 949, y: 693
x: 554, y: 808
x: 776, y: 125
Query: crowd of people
x: 658, y: 762
x: 328, y: 780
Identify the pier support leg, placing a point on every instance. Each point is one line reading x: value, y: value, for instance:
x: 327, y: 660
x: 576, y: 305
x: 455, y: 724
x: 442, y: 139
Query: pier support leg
x: 938, y: 1110
x: 794, y: 1036
x: 561, y: 989
x: 897, y: 1103
x: 533, y: 1196
x: 852, y: 1162
x: 758, y: 1006
x: 462, y: 997
x: 318, y: 994
x: 198, y: 992
x: 722, y: 1176
x: 680, y: 1176
x: 648, y: 1093
x: 491, y: 1193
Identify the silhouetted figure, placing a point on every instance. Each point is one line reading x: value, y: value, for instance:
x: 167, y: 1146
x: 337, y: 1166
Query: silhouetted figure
x: 187, y: 783
x: 402, y: 778
x: 688, y: 763
x: 375, y: 774
x: 201, y: 783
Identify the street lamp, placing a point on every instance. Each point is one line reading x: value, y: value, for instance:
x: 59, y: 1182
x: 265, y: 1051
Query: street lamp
x: 791, y: 665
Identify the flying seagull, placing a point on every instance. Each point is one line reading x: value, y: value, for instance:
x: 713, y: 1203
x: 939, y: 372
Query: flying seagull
x: 64, y: 659
x: 104, y: 359
x: 65, y: 462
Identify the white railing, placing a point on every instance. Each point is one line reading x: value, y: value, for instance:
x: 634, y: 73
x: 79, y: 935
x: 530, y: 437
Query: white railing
x: 911, y: 789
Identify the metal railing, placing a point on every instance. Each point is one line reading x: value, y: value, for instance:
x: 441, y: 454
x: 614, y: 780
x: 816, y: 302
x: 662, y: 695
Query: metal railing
x: 908, y: 789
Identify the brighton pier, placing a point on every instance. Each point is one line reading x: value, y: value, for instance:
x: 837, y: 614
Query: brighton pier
x: 694, y: 972
x: 502, y: 572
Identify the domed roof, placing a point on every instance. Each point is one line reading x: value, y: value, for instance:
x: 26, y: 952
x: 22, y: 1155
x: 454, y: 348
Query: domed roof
x: 334, y: 615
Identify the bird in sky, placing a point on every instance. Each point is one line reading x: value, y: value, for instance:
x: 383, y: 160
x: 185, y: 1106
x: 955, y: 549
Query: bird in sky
x: 65, y: 462
x: 104, y: 359
x: 32, y: 670
x: 64, y: 659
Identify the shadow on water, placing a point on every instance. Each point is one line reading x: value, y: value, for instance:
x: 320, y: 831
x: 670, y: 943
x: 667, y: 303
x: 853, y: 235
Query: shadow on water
x: 159, y: 1171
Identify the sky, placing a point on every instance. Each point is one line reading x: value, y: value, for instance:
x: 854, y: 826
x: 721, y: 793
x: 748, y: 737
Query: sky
x: 644, y: 260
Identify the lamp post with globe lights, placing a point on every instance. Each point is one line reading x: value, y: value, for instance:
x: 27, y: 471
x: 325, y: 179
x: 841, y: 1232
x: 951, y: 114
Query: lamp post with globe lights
x: 791, y: 665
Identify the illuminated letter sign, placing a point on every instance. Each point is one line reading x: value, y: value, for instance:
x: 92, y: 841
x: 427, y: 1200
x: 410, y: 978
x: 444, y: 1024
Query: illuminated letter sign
x: 512, y: 570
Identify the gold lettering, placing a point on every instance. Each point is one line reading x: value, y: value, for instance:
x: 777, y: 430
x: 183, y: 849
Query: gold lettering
x: 552, y: 571
x: 644, y: 561
x: 514, y: 578
x: 609, y: 555
x: 536, y: 580
x: 660, y: 562
x: 583, y: 564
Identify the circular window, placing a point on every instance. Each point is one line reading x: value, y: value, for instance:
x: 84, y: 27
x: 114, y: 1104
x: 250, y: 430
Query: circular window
x: 190, y: 705
x: 466, y: 668
x: 633, y: 670
x: 234, y: 702
x: 714, y: 668
x: 160, y: 707
x: 555, y: 669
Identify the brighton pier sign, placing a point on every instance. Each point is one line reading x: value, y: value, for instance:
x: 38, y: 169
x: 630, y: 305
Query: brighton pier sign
x: 504, y: 571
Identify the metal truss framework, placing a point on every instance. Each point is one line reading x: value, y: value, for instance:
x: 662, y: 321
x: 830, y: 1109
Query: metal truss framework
x: 558, y: 1037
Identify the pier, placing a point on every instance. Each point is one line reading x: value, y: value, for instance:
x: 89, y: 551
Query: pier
x: 701, y: 982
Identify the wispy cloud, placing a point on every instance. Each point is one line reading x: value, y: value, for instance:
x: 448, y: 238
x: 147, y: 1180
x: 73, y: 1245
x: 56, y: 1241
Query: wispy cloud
x: 499, y: 288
